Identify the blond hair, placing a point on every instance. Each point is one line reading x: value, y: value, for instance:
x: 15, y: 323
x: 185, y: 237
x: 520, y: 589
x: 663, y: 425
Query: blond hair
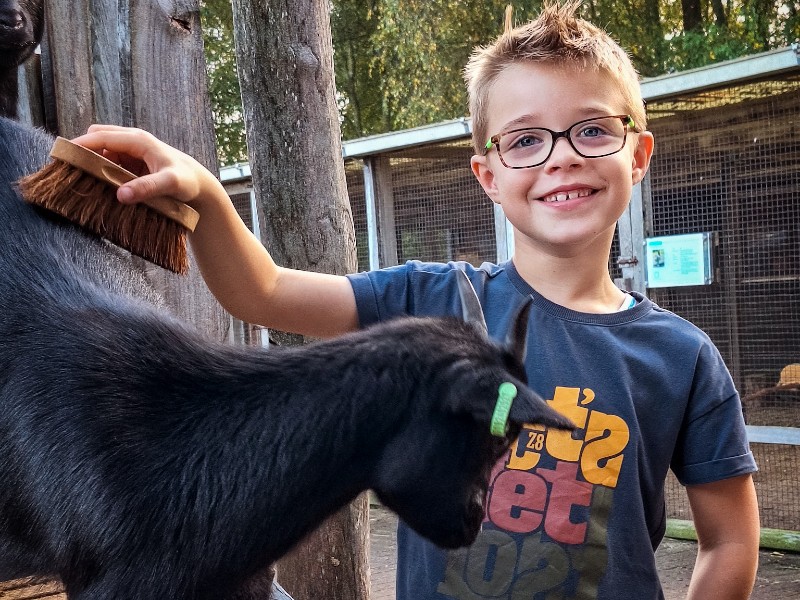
x: 556, y: 36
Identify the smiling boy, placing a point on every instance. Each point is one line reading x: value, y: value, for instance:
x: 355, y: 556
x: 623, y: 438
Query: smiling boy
x: 560, y: 139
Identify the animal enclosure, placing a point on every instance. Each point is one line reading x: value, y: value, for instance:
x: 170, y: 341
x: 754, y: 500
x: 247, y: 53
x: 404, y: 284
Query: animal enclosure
x: 726, y: 162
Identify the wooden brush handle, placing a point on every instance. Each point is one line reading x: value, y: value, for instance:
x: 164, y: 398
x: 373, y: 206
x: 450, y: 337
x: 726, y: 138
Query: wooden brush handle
x: 100, y: 167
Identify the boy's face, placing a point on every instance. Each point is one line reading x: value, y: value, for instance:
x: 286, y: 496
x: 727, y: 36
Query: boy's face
x: 570, y: 203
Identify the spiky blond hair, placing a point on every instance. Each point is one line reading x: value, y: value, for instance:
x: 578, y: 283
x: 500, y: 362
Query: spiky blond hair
x: 556, y: 36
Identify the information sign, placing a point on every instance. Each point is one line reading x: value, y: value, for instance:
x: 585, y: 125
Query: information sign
x: 679, y: 260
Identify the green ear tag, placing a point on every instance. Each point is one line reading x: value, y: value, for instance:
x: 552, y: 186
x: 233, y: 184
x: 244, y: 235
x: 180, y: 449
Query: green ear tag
x: 505, y: 396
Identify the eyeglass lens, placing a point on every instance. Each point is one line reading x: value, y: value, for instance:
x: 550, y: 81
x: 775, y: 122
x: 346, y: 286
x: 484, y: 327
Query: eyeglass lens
x: 591, y: 139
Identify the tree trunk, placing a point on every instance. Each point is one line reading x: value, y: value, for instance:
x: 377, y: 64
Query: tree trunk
x: 285, y: 64
x: 140, y: 63
x: 720, y: 18
x: 653, y: 30
x: 692, y: 15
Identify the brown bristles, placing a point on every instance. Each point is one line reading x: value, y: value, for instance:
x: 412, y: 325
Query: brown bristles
x: 92, y: 204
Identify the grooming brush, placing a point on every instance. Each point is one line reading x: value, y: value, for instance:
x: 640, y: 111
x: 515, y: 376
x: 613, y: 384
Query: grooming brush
x: 80, y: 185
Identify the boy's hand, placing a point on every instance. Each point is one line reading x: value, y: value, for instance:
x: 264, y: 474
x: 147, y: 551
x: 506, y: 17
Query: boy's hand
x: 234, y: 263
x: 161, y: 169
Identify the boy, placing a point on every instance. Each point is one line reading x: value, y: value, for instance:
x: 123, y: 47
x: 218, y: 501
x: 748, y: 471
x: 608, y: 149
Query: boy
x: 560, y: 139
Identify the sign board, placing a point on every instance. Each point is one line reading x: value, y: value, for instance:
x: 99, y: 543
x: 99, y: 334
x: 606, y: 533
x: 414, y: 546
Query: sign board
x: 679, y: 260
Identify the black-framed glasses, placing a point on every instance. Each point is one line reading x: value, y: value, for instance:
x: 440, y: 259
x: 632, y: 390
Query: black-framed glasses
x: 532, y: 146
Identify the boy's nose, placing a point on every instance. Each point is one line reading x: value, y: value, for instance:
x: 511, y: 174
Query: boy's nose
x: 563, y: 154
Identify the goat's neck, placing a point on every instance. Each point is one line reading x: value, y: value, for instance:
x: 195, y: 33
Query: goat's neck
x: 295, y: 433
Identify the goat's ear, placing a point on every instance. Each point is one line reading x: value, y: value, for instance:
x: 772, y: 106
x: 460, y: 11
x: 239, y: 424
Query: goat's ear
x: 526, y: 406
x: 517, y: 337
x: 529, y: 407
x: 471, y: 309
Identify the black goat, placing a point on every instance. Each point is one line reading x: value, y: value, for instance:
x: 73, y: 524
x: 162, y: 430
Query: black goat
x: 141, y: 461
x: 21, y: 28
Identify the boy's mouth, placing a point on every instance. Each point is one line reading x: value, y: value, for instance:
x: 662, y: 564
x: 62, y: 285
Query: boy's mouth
x: 567, y: 195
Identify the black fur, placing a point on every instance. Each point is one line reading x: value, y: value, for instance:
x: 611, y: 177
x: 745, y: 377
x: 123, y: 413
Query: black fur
x: 139, y: 460
x: 21, y: 28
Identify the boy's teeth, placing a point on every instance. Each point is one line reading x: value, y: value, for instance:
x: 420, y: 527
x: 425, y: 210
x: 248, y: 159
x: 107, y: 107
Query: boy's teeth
x: 561, y: 196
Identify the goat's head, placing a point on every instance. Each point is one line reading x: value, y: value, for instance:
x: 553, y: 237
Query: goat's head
x: 21, y: 28
x: 435, y: 472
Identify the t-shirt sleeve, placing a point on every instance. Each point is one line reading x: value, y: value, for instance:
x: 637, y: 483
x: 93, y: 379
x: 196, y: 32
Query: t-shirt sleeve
x: 414, y: 288
x: 713, y: 441
x: 381, y: 294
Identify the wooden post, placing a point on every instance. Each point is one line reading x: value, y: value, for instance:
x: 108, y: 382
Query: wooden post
x: 138, y: 63
x: 285, y: 60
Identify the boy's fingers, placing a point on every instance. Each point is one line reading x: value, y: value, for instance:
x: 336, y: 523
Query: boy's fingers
x: 104, y: 127
x: 161, y: 183
x: 117, y: 141
x: 158, y: 166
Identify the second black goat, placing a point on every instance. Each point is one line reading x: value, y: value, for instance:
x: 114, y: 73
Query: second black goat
x: 21, y: 29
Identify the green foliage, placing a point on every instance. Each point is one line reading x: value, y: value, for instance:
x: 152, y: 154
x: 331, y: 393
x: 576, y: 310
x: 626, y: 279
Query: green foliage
x: 637, y: 25
x: 399, y: 63
x: 757, y: 26
x: 412, y: 54
x: 223, y: 82
x: 696, y: 49
x: 353, y: 26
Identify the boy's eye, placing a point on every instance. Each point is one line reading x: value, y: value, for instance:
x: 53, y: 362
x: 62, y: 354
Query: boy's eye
x: 523, y: 140
x: 592, y: 130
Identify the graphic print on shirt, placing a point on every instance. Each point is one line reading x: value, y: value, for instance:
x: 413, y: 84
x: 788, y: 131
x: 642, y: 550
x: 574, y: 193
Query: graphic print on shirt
x: 547, y: 511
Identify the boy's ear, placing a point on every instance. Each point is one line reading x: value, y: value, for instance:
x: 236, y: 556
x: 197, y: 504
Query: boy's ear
x: 485, y: 176
x: 641, y: 156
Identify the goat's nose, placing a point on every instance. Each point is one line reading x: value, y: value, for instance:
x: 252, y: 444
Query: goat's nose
x: 13, y: 19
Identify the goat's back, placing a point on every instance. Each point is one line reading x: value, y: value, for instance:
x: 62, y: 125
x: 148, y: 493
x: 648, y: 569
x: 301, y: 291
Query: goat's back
x: 44, y: 254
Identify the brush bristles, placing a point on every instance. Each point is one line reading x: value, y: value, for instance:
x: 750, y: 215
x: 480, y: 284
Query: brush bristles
x: 91, y: 203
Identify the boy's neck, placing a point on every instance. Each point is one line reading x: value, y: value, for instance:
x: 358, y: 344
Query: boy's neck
x: 582, y: 284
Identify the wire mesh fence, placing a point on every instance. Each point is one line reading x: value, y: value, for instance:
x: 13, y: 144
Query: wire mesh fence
x: 726, y: 162
x: 440, y: 211
x: 354, y: 173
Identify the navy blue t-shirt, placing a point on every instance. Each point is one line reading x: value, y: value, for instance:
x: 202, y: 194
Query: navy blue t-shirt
x: 575, y: 515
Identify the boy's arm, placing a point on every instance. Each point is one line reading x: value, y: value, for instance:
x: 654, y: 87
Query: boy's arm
x: 726, y: 519
x: 236, y: 267
x: 245, y: 279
